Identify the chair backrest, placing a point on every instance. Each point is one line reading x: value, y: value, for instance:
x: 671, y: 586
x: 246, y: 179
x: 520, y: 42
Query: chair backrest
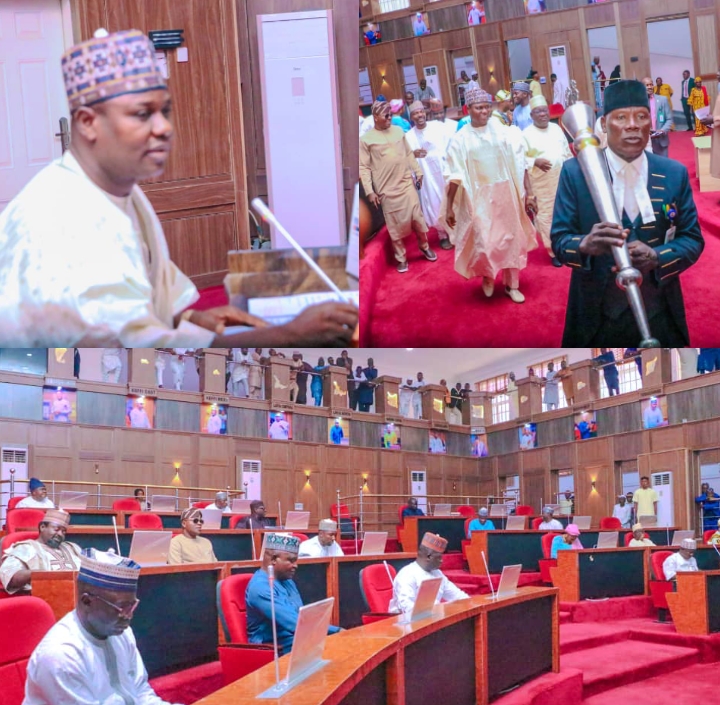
x: 467, y: 524
x: 523, y: 510
x: 302, y: 537
x: 629, y: 535
x: 343, y: 511
x: 612, y: 523
x: 536, y: 523
x: 466, y: 510
x: 24, y: 519
x: 10, y: 539
x: 232, y: 608
x: 202, y: 505
x: 12, y: 502
x: 127, y: 504
x: 707, y: 534
x: 145, y: 521
x: 235, y: 519
x: 656, y: 564
x: 547, y: 540
x: 376, y: 586
x: 33, y: 618
x: 400, y: 511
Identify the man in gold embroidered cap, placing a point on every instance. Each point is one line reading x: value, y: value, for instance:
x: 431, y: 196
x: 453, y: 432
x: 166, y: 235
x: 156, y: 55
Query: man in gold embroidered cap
x: 50, y: 551
x: 90, y: 655
x: 190, y: 547
x: 85, y: 261
x: 426, y: 566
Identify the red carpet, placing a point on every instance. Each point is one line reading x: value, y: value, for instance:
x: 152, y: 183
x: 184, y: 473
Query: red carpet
x: 433, y: 306
x: 210, y: 298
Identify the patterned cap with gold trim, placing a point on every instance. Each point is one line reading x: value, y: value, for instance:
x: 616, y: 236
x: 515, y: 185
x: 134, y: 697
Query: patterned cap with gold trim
x: 434, y: 542
x: 108, y: 66
x: 282, y: 542
x: 57, y: 516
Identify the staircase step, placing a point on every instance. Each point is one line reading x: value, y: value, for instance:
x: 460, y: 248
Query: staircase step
x: 565, y: 617
x: 589, y: 635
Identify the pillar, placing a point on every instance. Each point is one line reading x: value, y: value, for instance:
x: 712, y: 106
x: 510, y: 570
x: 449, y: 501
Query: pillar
x: 656, y: 368
x: 335, y: 394
x: 586, y: 382
x: 277, y: 382
x: 60, y: 363
x: 387, y: 396
x: 477, y: 409
x: 141, y: 368
x: 529, y: 396
x: 212, y: 370
x: 433, y: 403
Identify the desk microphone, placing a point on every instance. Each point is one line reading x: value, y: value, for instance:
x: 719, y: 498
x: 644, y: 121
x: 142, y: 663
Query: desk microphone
x: 487, y: 571
x: 117, y: 540
x: 667, y: 531
x: 252, y: 540
x: 271, y: 580
x: 714, y: 545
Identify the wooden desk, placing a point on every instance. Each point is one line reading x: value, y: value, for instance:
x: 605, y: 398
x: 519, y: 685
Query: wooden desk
x: 705, y: 556
x: 496, y: 644
x: 695, y: 607
x: 702, y: 164
x: 451, y: 528
x: 601, y: 572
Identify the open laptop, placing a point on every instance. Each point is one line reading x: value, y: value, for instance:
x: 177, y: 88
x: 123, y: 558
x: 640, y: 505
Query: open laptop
x: 498, y: 510
x: 508, y: 581
x: 515, y: 524
x: 647, y: 521
x: 150, y: 547
x: 442, y: 510
x: 374, y: 543
x: 163, y: 503
x: 212, y: 518
x: 608, y: 539
x: 73, y: 500
x: 241, y: 506
x: 297, y: 521
x: 678, y: 536
x: 425, y: 600
x: 582, y: 523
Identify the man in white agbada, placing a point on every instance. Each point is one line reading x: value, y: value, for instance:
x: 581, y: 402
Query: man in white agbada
x: 324, y: 544
x: 429, y: 141
x: 214, y: 424
x: 546, y: 150
x: 256, y: 374
x: 623, y: 512
x: 426, y: 565
x: 682, y: 561
x: 37, y: 499
x: 177, y: 366
x: 90, y: 656
x: 138, y: 416
x: 488, y: 194
x: 111, y: 365
x: 84, y: 259
x: 61, y: 407
x: 241, y: 361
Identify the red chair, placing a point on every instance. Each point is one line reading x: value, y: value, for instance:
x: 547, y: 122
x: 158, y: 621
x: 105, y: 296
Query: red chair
x: 546, y: 562
x: 202, y: 505
x: 707, y: 534
x: 536, y: 523
x: 10, y: 539
x: 235, y: 519
x: 658, y: 585
x: 24, y: 519
x: 239, y: 657
x: 302, y: 537
x: 376, y: 587
x: 28, y: 619
x: 126, y: 505
x: 611, y: 523
x: 146, y: 521
x: 341, y: 514
x: 466, y: 510
x: 344, y: 512
x: 629, y: 535
x: 524, y: 510
x: 13, y: 502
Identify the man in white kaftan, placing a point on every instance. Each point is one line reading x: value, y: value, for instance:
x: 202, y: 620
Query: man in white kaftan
x: 429, y: 142
x: 487, y: 196
x: 240, y: 372
x: 177, y: 366
x: 546, y: 150
x: 111, y: 365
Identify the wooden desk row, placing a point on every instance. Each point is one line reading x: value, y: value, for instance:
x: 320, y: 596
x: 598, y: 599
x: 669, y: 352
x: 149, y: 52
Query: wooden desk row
x: 468, y: 652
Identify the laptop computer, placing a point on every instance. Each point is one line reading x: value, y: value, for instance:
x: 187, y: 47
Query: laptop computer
x: 608, y: 539
x: 508, y: 581
x: 296, y: 521
x: 212, y: 518
x: 515, y: 524
x: 374, y: 543
x: 241, y: 506
x: 498, y: 510
x: 678, y: 536
x: 73, y: 500
x: 647, y: 520
x: 582, y: 523
x: 442, y: 510
x: 150, y: 547
x: 425, y: 600
x: 163, y: 503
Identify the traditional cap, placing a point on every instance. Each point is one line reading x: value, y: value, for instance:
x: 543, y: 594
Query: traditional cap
x: 483, y: 512
x: 698, y: 78
x: 653, y: 398
x: 396, y: 105
x: 191, y: 513
x: 689, y: 544
x: 547, y: 510
x: 625, y: 94
x: 521, y: 86
x: 417, y: 105
x: 637, y: 527
x: 572, y: 529
x: 538, y: 101
x: 500, y: 96
x: 380, y: 107
x: 57, y: 516
x: 108, y: 66
x: 476, y: 95
x: 35, y: 484
x: 282, y: 542
x: 434, y: 542
x: 221, y: 495
x: 108, y: 570
x: 327, y: 525
x: 381, y: 98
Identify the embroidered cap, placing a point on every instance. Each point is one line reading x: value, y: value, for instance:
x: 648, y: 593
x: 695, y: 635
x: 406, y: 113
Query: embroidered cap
x: 108, y: 66
x: 327, y: 525
x: 538, y: 101
x: 191, y: 513
x: 477, y: 95
x: 282, y: 542
x: 434, y: 542
x: 108, y: 570
x: 689, y: 544
x: 502, y: 96
x: 35, y: 484
x: 417, y: 105
x: 637, y: 527
x: 521, y: 86
x: 57, y: 516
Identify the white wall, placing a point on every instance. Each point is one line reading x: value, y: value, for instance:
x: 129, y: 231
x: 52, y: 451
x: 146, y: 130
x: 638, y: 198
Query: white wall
x: 670, y: 54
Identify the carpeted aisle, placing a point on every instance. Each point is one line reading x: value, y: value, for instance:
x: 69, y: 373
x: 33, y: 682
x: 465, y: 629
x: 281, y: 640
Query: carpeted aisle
x: 431, y: 305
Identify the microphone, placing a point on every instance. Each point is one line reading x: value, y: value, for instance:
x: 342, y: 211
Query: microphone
x: 252, y: 540
x: 271, y: 580
x: 487, y: 571
x: 117, y: 540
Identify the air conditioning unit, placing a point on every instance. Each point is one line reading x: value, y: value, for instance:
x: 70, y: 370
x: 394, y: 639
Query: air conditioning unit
x: 12, y: 458
x: 661, y: 482
x: 418, y: 488
x: 248, y: 474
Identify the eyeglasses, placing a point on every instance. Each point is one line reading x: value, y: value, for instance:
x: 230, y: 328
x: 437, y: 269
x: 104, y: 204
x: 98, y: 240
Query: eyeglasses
x: 126, y: 611
x: 197, y: 521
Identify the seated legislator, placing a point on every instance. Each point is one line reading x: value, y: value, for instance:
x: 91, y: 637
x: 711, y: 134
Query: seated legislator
x: 682, y: 561
x: 221, y: 503
x: 715, y: 538
x: 426, y: 566
x: 37, y: 499
x: 549, y: 523
x: 412, y: 509
x: 50, y: 551
x: 190, y: 547
x: 324, y: 544
x: 90, y: 656
x: 659, y: 223
x: 569, y: 540
x: 257, y: 518
x: 481, y: 523
x: 638, y: 538
x: 281, y: 552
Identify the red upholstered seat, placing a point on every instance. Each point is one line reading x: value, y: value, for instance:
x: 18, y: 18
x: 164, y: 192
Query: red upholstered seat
x: 349, y: 547
x: 24, y: 519
x: 344, y: 512
x: 536, y: 523
x: 524, y: 510
x: 658, y: 585
x: 546, y: 563
x: 376, y: 587
x: 629, y: 535
x: 297, y: 535
x: 235, y: 519
x: 12, y: 502
x: 611, y: 523
x: 707, y: 534
x: 28, y: 620
x: 202, y: 505
x: 128, y: 504
x: 10, y: 539
x: 466, y: 510
x: 146, y: 521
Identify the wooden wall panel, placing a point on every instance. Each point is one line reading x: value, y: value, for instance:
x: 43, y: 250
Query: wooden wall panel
x: 414, y: 439
x: 598, y: 502
x: 629, y: 445
x: 312, y: 429
x: 366, y: 434
x: 247, y: 422
x: 101, y: 409
x: 500, y: 442
x: 177, y: 416
x: 276, y: 454
x: 619, y: 419
x: 458, y: 443
x: 21, y: 401
x: 550, y: 433
x: 503, y: 9
x: 562, y: 457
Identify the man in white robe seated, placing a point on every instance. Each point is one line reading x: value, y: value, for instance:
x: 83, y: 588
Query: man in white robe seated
x: 50, y: 551
x: 426, y: 565
x: 85, y: 261
x: 324, y: 544
x: 683, y: 560
x: 37, y: 499
x: 429, y: 141
x: 549, y: 523
x: 546, y: 150
x: 488, y: 194
x: 90, y: 656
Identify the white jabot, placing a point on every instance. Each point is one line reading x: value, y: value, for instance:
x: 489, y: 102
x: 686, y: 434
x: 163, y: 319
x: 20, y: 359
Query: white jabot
x: 630, y: 186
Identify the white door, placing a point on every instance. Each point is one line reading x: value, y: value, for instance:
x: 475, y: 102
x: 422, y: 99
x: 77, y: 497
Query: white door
x: 32, y: 95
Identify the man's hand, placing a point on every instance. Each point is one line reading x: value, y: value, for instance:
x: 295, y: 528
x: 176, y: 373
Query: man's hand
x: 323, y: 324
x: 543, y: 164
x: 375, y: 199
x: 450, y: 217
x: 531, y: 204
x: 419, y: 182
x: 602, y: 237
x: 642, y: 256
x: 420, y: 153
x: 216, y: 319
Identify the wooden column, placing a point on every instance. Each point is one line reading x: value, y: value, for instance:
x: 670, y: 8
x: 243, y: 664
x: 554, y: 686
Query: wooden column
x: 529, y: 396
x: 60, y: 363
x: 141, y: 367
x: 277, y: 382
x: 212, y: 370
x: 656, y: 368
x: 586, y: 382
x: 335, y: 388
x: 477, y: 409
x: 387, y: 396
x: 433, y: 403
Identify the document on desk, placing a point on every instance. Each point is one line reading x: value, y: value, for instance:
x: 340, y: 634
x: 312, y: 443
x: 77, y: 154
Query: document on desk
x: 278, y: 310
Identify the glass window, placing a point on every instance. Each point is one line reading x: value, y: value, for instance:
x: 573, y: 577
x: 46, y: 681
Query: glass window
x: 540, y: 369
x: 500, y: 408
x: 628, y: 371
x: 32, y: 361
